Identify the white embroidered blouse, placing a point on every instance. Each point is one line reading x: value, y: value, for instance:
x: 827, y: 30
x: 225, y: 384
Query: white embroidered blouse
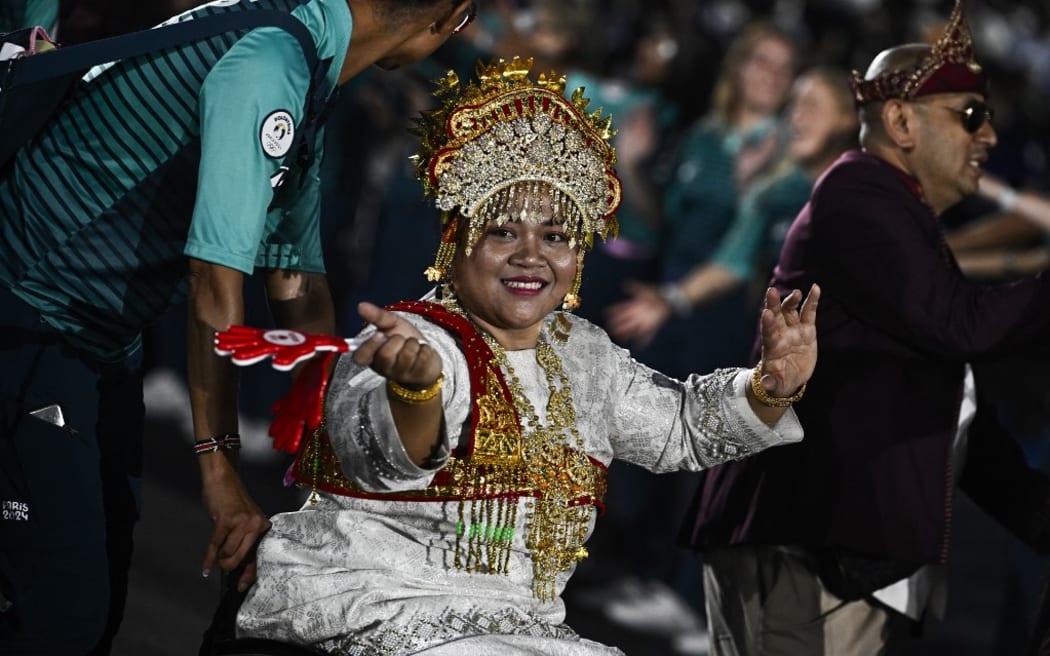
x: 352, y: 575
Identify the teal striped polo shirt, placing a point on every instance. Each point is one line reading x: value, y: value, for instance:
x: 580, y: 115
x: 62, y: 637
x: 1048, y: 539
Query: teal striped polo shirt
x: 160, y: 157
x: 15, y: 14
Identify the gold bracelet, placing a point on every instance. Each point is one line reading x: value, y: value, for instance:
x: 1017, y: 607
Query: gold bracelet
x: 772, y: 401
x: 415, y: 397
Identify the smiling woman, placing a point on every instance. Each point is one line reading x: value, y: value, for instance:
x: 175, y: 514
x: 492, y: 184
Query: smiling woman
x: 517, y: 272
x: 463, y: 451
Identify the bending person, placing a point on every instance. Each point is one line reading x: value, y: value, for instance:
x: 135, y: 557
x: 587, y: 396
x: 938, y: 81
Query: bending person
x: 468, y: 440
x: 154, y: 184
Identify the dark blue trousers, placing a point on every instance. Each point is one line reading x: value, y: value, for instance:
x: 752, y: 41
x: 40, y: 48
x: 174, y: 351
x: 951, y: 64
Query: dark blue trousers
x: 70, y: 473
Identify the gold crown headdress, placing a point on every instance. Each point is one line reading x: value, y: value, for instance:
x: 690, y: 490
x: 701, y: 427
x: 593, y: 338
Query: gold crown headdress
x: 492, y: 145
x: 949, y: 67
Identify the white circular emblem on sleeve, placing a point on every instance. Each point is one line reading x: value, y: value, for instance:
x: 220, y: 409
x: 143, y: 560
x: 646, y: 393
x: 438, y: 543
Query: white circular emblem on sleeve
x: 276, y: 134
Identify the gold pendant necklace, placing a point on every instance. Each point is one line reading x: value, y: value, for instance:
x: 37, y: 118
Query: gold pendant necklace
x: 563, y: 478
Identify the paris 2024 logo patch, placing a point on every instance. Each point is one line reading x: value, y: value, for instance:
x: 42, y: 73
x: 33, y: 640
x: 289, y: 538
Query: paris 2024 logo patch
x: 276, y: 134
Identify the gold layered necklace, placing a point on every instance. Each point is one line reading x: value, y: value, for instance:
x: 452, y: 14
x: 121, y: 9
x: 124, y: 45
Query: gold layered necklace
x: 553, y: 464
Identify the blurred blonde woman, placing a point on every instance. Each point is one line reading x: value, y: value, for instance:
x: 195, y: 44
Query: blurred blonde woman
x: 821, y: 125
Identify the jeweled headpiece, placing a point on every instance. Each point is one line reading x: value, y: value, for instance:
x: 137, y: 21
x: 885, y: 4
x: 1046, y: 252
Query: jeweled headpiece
x: 949, y: 67
x: 493, y: 145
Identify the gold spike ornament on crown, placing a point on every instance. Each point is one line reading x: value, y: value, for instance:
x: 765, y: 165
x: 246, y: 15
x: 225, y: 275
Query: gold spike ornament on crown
x: 950, y: 67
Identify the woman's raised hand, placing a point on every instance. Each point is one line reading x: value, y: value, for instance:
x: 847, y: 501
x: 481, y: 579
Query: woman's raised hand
x: 789, y: 340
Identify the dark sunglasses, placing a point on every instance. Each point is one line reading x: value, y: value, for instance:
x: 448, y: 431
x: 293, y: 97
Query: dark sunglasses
x: 974, y: 115
x: 468, y: 18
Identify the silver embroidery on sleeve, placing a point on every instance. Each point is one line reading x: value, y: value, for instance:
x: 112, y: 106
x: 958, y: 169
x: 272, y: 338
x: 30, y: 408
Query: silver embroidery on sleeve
x: 372, y: 448
x: 725, y: 435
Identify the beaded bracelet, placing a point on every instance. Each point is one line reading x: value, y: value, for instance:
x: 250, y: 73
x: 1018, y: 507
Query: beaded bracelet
x: 764, y: 397
x: 229, y: 441
x: 415, y: 397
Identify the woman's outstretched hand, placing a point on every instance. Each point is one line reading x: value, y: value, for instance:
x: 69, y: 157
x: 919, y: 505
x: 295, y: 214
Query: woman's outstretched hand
x: 789, y: 341
x: 397, y: 350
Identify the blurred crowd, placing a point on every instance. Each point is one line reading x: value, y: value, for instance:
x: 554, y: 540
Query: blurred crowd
x: 727, y: 111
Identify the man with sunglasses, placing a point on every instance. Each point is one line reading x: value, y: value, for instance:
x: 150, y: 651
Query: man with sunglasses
x: 156, y: 182
x: 837, y: 545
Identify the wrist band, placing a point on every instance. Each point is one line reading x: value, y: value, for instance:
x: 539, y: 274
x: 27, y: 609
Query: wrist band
x: 675, y: 297
x: 229, y: 441
x: 764, y: 397
x: 415, y: 397
x: 1007, y: 199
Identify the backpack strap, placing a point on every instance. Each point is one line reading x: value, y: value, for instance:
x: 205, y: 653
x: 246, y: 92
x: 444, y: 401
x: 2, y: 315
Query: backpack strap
x: 83, y: 56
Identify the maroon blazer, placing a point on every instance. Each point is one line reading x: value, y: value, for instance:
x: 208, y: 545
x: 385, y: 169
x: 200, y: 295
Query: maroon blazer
x: 897, y: 322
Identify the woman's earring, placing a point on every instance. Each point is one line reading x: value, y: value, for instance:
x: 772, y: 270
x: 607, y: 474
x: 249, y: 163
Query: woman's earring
x: 442, y: 266
x: 572, y: 299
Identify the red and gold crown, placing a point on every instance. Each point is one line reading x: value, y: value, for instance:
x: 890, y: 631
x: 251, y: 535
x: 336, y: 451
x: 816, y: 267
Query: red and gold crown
x: 497, y: 142
x: 949, y: 67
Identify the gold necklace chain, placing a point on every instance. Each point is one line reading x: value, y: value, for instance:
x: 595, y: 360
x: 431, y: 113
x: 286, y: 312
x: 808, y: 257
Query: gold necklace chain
x: 557, y: 524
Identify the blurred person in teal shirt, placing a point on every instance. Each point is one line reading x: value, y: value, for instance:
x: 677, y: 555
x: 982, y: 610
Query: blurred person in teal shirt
x: 821, y: 125
x: 646, y: 115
